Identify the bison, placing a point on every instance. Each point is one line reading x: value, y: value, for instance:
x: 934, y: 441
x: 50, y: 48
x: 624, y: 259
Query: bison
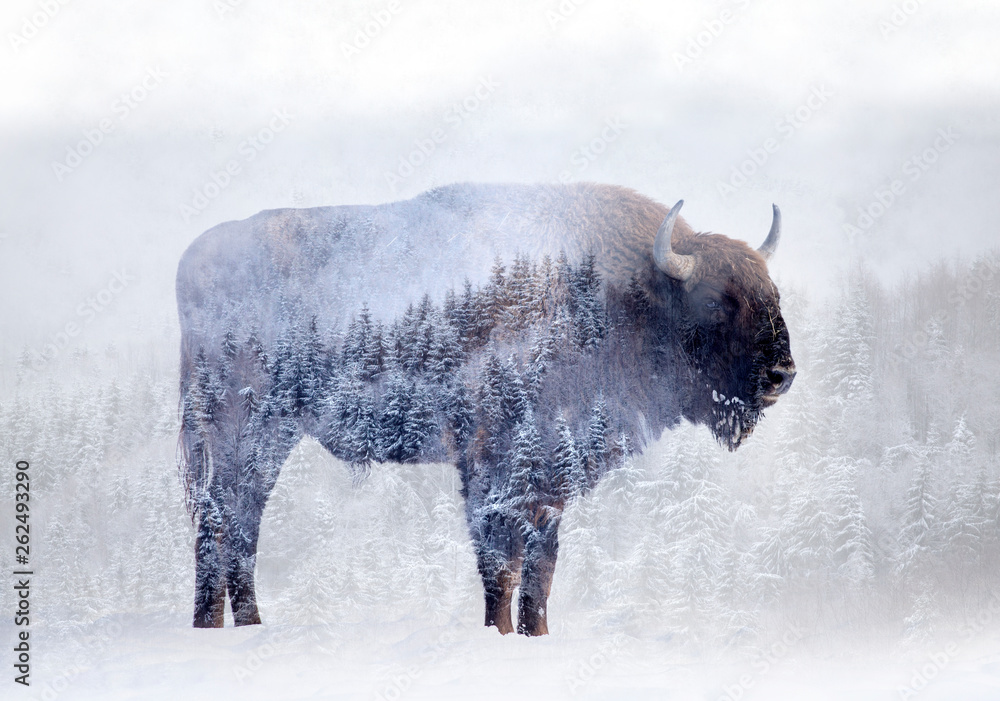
x: 533, y: 335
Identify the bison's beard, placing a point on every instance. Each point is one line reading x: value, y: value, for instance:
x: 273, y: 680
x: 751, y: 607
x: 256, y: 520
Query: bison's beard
x: 732, y: 420
x: 729, y: 409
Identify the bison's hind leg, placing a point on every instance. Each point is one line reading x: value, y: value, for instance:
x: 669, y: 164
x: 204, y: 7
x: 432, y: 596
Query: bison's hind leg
x: 540, y: 551
x: 242, y: 594
x: 228, y: 514
x: 210, y: 584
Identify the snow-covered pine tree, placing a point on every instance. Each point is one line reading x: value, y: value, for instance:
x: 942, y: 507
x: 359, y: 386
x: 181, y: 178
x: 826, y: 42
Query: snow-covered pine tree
x: 229, y: 345
x: 406, y: 340
x: 527, y: 484
x: 596, y: 457
x: 354, y: 338
x: 452, y: 310
x: 515, y: 397
x: 491, y: 406
x: 420, y: 425
x: 465, y: 316
x: 373, y: 356
x: 459, y: 411
x: 567, y: 475
x: 423, y: 337
x: 517, y: 311
x: 850, y: 376
x: 445, y: 352
x: 799, y: 548
x: 392, y: 346
x: 540, y: 355
x: 564, y: 271
x: 964, y: 526
x: 341, y: 409
x: 921, y: 526
x: 697, y: 524
x: 478, y: 310
x: 545, y: 281
x: 587, y: 304
x: 315, y: 372
x: 364, y: 435
x: 496, y: 292
x: 363, y: 346
x: 852, y: 538
x: 289, y: 372
x: 395, y: 413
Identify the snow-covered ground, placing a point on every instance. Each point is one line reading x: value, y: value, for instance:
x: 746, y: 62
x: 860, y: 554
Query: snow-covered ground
x: 128, y: 657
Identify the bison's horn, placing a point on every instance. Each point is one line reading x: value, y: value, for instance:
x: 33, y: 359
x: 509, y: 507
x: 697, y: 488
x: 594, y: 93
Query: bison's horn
x: 771, y: 242
x: 678, y: 266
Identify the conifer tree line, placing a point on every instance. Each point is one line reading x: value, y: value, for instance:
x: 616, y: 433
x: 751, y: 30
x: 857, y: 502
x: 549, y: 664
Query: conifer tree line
x: 869, y: 496
x: 437, y: 376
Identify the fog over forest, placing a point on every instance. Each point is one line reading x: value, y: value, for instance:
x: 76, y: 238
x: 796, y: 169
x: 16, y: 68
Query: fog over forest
x: 850, y: 546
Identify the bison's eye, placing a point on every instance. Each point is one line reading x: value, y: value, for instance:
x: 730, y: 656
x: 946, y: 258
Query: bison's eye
x: 712, y: 304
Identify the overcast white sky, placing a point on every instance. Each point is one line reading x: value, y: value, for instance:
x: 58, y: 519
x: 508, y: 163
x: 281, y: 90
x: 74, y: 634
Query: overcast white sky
x: 557, y: 72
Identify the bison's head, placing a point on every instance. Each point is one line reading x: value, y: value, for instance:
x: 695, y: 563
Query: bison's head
x: 725, y: 309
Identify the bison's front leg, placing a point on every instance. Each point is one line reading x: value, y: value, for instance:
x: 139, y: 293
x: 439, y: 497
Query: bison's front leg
x: 498, y: 555
x: 540, y: 550
x: 499, y: 585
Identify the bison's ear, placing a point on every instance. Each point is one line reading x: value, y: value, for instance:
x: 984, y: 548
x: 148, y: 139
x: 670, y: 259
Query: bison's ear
x: 771, y: 242
x: 676, y: 265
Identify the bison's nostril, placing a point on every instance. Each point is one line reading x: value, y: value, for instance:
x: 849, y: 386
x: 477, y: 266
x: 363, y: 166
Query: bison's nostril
x: 781, y: 379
